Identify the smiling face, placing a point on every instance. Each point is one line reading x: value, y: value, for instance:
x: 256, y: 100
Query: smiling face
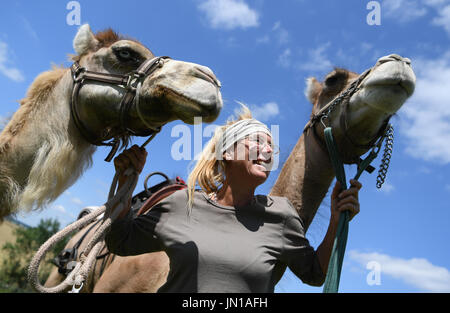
x: 250, y: 161
x: 175, y: 90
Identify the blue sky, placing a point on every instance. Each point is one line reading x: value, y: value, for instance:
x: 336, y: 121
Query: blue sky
x: 262, y: 51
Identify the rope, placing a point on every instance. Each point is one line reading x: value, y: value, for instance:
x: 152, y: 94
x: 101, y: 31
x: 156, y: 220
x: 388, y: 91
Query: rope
x: 111, y: 209
x: 337, y: 255
x: 340, y: 242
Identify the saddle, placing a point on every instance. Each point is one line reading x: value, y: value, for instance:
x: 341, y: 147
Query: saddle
x: 140, y: 204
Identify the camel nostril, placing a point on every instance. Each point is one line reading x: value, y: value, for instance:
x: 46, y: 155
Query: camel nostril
x: 395, y: 57
x: 205, y: 71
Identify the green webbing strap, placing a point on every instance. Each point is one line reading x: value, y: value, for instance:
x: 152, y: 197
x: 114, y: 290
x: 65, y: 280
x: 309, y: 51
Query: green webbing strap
x: 340, y: 242
x: 337, y: 254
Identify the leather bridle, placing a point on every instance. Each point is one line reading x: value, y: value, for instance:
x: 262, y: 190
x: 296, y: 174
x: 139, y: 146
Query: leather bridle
x: 131, y: 83
x: 344, y: 99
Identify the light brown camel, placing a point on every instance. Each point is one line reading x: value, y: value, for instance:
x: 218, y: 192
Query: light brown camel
x: 306, y: 175
x: 44, y: 150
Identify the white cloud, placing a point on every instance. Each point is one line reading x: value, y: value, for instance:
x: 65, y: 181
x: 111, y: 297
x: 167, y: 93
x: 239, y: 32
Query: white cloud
x: 403, y: 10
x: 387, y: 188
x: 366, y: 47
x: 5, y: 67
x: 281, y: 33
x: 229, y: 14
x: 278, y: 32
x: 442, y: 7
x: 284, y: 60
x: 76, y: 200
x: 417, y: 272
x: 317, y: 60
x: 436, y: 3
x: 443, y: 18
x: 424, y: 170
x: 263, y: 39
x: 29, y: 28
x: 266, y: 111
x: 425, y: 118
x: 60, y: 208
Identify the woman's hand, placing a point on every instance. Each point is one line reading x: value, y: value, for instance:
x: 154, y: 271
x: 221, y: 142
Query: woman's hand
x: 346, y: 200
x: 135, y: 157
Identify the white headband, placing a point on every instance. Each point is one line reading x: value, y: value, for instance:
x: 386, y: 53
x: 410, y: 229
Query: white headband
x: 238, y: 131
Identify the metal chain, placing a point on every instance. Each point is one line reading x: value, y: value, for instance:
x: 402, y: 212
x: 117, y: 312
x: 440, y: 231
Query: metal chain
x: 344, y: 96
x: 354, y: 87
x: 388, y: 147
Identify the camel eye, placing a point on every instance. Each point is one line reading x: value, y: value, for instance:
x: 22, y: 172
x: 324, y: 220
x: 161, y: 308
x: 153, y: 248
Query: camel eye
x: 330, y: 81
x: 124, y: 54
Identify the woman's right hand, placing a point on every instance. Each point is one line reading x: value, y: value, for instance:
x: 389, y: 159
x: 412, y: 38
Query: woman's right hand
x: 135, y: 157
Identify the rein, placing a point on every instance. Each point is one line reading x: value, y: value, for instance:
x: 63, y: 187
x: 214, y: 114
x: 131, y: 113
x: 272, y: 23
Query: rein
x: 331, y: 284
x: 82, y: 268
x: 131, y: 83
x: 344, y: 99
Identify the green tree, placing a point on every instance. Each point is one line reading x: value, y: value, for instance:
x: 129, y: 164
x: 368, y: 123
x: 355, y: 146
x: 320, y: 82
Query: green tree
x: 17, y: 255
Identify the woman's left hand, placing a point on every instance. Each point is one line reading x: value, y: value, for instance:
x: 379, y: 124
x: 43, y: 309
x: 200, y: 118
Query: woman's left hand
x: 346, y: 200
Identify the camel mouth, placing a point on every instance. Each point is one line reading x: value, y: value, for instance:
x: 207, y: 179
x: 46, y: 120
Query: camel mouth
x: 395, y: 75
x: 404, y: 84
x: 186, y: 108
x: 186, y: 90
x: 207, y: 75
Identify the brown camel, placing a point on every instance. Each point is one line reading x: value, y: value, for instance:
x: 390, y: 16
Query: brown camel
x: 306, y: 175
x: 50, y: 140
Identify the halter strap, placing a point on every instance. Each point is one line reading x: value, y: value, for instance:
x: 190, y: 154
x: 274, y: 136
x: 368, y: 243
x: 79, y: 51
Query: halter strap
x: 131, y: 82
x: 323, y: 113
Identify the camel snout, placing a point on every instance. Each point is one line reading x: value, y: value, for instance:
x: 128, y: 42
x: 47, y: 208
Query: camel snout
x: 393, y: 57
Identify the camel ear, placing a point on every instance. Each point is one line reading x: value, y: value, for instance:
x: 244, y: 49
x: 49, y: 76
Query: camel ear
x: 84, y: 40
x: 312, y: 90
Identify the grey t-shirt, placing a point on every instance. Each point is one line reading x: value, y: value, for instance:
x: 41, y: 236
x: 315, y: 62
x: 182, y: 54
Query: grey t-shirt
x: 220, y: 248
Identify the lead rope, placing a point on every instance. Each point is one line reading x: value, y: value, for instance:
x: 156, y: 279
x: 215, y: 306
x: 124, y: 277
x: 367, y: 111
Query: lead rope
x: 332, y: 279
x: 80, y: 273
x: 111, y: 209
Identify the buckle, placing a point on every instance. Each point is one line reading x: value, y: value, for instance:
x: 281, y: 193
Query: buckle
x: 132, y: 81
x: 77, y: 70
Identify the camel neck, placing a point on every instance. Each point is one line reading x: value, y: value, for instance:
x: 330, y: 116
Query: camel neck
x: 305, y: 177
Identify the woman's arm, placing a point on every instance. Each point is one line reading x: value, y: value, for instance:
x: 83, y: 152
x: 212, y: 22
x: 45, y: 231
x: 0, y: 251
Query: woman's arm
x: 311, y: 265
x: 128, y: 235
x: 340, y: 201
x: 134, y: 157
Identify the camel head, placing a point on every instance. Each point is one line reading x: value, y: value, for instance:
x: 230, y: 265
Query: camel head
x: 176, y: 90
x: 358, y: 122
x: 49, y: 135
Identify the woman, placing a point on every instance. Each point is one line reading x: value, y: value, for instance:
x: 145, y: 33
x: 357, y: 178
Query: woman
x: 223, y: 238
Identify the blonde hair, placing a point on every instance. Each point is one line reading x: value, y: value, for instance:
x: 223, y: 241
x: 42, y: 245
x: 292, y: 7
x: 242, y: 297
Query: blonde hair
x: 208, y: 172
